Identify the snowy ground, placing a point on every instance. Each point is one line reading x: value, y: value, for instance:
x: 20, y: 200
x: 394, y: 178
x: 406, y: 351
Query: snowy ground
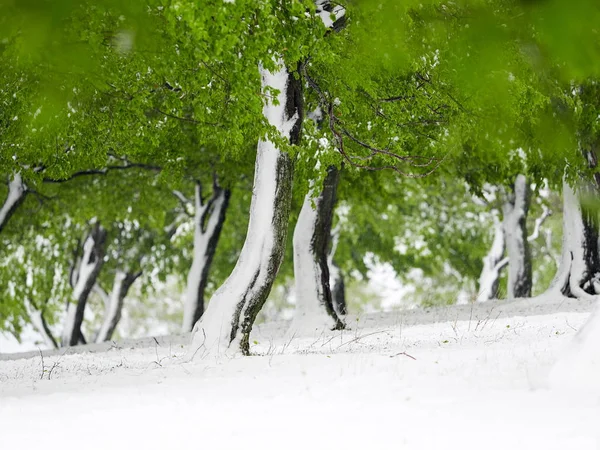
x: 459, y: 377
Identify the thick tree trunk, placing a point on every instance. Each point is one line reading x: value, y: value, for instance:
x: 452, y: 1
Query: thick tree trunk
x: 579, y: 269
x: 208, y: 223
x: 314, y: 303
x: 515, y: 211
x: 228, y: 320
x: 493, y: 263
x: 16, y: 195
x: 83, y: 277
x: 577, y: 277
x: 114, y: 304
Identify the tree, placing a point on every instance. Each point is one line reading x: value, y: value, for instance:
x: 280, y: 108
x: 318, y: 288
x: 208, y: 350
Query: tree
x: 209, y: 217
x: 315, y: 308
x: 83, y: 276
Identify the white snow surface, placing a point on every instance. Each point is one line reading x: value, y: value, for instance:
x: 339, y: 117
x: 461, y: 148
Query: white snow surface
x: 466, y: 377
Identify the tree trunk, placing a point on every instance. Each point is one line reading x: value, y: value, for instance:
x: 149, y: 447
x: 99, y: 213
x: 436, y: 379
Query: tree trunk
x: 515, y: 211
x: 208, y: 223
x: 493, y: 263
x: 336, y: 278
x: 579, y: 269
x: 114, y: 305
x: 228, y: 320
x: 83, y: 277
x: 16, y: 195
x: 312, y: 235
x: 578, y: 277
x: 338, y: 289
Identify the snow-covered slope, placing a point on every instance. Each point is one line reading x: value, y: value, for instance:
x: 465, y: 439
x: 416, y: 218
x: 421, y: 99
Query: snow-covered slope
x: 465, y: 378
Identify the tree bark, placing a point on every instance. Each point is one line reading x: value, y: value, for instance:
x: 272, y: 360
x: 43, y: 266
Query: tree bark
x: 312, y: 235
x: 16, y: 195
x: 493, y: 263
x: 515, y: 210
x: 338, y: 289
x: 579, y: 269
x: 228, y: 320
x: 208, y: 223
x: 114, y: 305
x: 83, y: 277
x: 336, y: 278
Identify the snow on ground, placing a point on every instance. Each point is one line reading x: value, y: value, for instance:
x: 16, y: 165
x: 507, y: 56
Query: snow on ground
x: 459, y: 377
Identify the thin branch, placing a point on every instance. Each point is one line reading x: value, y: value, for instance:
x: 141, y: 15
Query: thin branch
x: 182, y: 198
x: 103, y: 171
x: 340, y: 132
x: 538, y: 223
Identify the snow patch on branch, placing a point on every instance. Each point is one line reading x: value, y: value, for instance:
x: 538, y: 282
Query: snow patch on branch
x: 329, y: 14
x: 16, y: 191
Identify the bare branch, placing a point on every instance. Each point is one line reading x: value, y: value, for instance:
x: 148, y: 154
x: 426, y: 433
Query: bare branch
x: 538, y: 223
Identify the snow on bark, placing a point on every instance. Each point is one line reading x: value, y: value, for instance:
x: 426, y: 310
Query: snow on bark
x: 515, y: 211
x: 114, y: 304
x: 16, y: 194
x: 579, y: 276
x: 314, y: 304
x: 83, y: 277
x: 228, y: 320
x: 332, y: 16
x: 579, y: 268
x: 493, y: 262
x: 336, y: 278
x: 208, y: 223
x: 338, y: 290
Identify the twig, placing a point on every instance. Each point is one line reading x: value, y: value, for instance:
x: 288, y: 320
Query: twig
x: 405, y: 354
x: 361, y: 337
x: 43, y: 365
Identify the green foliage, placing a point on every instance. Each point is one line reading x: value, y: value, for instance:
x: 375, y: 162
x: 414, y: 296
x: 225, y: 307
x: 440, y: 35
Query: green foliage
x: 463, y: 93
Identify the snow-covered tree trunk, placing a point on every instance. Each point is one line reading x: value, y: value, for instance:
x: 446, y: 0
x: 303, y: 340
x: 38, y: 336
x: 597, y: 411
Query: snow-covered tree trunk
x: 336, y: 278
x: 338, y: 289
x: 579, y: 269
x: 493, y: 263
x: 208, y: 223
x: 579, y: 276
x: 114, y: 303
x: 16, y: 194
x: 515, y: 211
x: 83, y: 277
x: 314, y: 303
x: 228, y: 320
